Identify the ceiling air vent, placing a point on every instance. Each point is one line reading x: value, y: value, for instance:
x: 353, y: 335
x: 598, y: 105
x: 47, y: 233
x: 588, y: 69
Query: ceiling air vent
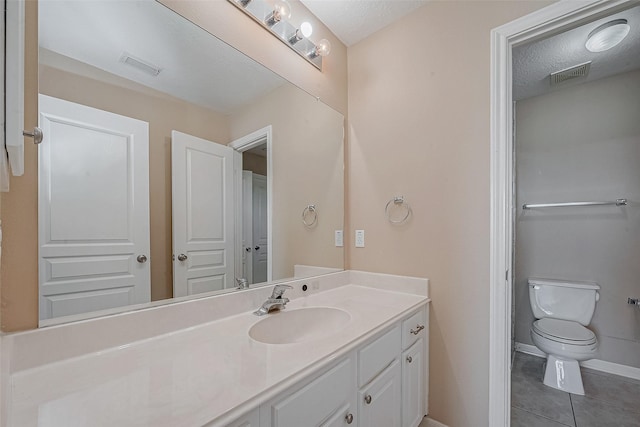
x: 139, y: 64
x: 575, y: 72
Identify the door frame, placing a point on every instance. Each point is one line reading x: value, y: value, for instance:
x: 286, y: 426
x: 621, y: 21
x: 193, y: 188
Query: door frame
x: 552, y: 19
x: 247, y: 142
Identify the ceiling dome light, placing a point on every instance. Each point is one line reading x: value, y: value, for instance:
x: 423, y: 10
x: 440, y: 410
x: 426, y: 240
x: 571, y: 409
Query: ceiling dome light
x: 607, y: 35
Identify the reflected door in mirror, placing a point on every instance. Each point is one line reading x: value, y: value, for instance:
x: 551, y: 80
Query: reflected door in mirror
x: 93, y: 209
x: 203, y: 215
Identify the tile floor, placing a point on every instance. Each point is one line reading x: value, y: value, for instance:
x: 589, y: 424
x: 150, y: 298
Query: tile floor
x: 609, y: 400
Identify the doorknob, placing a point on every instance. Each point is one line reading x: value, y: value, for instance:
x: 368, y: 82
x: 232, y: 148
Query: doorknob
x: 142, y: 259
x: 182, y: 257
x: 257, y: 248
x: 36, y: 134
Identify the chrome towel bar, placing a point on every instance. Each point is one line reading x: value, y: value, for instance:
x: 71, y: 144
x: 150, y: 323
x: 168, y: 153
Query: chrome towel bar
x: 617, y: 202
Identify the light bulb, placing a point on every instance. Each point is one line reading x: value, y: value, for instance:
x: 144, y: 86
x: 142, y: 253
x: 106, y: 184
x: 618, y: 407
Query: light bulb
x: 607, y: 35
x: 281, y: 12
x: 282, y: 9
x: 323, y: 47
x: 306, y: 29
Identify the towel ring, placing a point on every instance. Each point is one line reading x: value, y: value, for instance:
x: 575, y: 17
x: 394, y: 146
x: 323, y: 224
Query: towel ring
x: 310, y: 211
x: 397, y: 201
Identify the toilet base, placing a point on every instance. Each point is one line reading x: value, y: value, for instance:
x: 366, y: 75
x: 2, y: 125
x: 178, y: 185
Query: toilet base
x: 563, y: 374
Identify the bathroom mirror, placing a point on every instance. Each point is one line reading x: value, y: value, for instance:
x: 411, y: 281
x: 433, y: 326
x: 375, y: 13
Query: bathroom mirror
x: 172, y: 164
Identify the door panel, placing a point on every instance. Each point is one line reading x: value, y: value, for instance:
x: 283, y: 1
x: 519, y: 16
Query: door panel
x: 260, y: 240
x: 93, y: 209
x: 247, y: 225
x: 203, y: 220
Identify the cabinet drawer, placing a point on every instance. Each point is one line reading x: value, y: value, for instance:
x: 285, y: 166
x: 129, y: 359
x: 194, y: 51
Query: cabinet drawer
x: 413, y: 328
x: 373, y: 358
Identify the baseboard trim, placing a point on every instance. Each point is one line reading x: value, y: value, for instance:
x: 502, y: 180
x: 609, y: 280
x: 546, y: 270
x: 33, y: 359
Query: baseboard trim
x: 595, y: 364
x: 433, y: 423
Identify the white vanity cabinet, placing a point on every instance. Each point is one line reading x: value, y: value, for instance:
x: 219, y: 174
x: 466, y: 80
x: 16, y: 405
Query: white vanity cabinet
x: 382, y: 383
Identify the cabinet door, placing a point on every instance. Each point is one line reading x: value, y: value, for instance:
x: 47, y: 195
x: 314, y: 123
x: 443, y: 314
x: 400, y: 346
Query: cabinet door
x: 413, y: 385
x: 252, y: 419
x: 379, y: 402
x: 317, y: 402
x: 345, y: 416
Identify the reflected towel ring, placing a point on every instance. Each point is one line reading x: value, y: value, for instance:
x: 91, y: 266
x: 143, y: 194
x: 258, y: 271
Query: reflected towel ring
x: 309, y: 211
x: 397, y: 201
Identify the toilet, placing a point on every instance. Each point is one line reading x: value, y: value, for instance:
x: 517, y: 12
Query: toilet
x: 563, y: 309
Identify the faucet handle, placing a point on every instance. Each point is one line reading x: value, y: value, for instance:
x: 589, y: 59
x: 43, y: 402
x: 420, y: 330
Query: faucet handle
x: 242, y: 283
x: 278, y: 290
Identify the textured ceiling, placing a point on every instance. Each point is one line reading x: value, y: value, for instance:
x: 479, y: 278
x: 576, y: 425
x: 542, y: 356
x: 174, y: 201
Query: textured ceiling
x: 353, y: 20
x: 196, y: 66
x: 533, y: 62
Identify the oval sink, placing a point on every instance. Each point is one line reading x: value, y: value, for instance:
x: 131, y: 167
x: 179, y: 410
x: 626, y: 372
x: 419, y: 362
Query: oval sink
x: 303, y: 324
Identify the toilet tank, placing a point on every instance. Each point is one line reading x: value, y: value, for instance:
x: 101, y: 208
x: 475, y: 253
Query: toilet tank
x: 559, y: 299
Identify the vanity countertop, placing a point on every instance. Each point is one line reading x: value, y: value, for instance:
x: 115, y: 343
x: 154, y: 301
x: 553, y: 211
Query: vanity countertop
x: 210, y: 373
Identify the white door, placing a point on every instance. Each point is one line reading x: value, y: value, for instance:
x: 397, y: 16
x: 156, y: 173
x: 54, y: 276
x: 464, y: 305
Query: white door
x: 93, y: 209
x: 203, y: 215
x: 247, y: 225
x: 260, y: 240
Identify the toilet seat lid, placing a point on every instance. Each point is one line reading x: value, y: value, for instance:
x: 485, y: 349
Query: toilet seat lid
x: 564, y: 331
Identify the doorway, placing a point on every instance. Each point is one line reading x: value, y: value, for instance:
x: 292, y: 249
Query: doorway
x: 253, y: 163
x: 550, y: 20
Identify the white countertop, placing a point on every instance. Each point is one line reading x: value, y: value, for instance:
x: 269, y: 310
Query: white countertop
x: 213, y: 371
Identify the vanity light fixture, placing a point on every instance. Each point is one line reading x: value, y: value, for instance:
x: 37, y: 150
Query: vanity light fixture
x: 274, y: 18
x: 607, y: 35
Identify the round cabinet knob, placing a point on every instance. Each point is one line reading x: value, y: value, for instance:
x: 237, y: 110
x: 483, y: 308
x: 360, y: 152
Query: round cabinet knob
x: 257, y: 248
x: 367, y: 399
x: 182, y: 257
x: 349, y: 418
x: 247, y: 249
x: 142, y: 259
x: 409, y: 359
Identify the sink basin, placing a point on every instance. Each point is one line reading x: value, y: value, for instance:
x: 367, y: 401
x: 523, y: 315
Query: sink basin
x: 295, y: 326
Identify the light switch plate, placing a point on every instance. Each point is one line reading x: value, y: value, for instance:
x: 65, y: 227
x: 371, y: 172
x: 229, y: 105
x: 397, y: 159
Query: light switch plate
x: 359, y: 238
x: 339, y: 239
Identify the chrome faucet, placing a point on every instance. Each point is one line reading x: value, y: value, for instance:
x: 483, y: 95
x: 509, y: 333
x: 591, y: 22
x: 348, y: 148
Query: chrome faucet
x: 242, y: 283
x: 275, y: 302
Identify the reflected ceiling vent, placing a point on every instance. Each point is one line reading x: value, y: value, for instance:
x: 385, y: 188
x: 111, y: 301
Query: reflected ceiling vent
x: 139, y: 64
x: 571, y: 73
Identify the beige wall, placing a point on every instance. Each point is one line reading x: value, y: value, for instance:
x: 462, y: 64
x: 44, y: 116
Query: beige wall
x: 595, y: 158
x: 19, y: 279
x: 164, y: 114
x: 419, y: 126
x: 232, y: 26
x: 308, y: 164
x: 254, y: 163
